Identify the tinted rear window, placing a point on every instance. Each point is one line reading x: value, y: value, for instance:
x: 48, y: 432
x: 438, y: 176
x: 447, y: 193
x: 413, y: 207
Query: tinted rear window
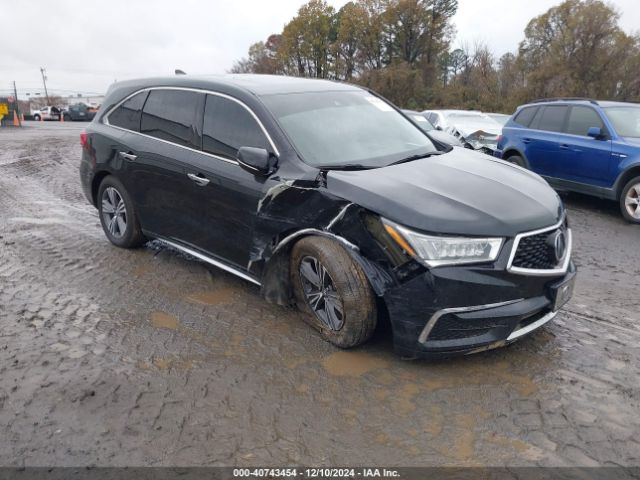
x: 525, y: 116
x: 172, y: 115
x: 128, y: 114
x: 581, y: 119
x: 229, y: 126
x: 552, y: 118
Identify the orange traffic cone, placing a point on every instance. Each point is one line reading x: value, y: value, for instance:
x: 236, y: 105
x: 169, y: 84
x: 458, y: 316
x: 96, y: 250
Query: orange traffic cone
x: 16, y: 122
x: 61, y: 117
x: 41, y: 119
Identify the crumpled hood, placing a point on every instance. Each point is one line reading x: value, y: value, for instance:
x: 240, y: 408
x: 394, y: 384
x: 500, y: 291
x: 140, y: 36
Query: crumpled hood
x: 460, y: 192
x: 477, y: 129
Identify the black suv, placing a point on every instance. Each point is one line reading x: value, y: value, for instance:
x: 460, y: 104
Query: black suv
x: 326, y: 196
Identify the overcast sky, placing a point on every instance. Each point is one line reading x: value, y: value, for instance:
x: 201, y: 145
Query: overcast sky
x: 86, y: 45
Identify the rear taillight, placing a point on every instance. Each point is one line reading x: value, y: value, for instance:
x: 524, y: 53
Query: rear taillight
x: 499, y: 138
x: 84, y: 139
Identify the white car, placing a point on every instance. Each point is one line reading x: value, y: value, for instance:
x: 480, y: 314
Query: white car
x: 46, y: 113
x: 473, y: 128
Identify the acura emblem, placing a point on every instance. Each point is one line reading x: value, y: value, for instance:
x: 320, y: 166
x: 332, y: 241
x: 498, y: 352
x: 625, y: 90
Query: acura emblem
x: 557, y: 242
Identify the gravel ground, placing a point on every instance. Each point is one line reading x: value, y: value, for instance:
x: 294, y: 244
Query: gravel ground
x: 112, y: 357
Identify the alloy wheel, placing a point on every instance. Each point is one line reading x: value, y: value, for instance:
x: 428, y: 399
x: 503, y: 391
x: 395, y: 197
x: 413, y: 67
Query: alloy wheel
x: 321, y: 293
x: 632, y: 201
x: 114, y: 212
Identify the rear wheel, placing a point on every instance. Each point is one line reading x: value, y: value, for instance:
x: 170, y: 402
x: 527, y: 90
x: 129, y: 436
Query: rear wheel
x: 117, y: 215
x: 517, y: 160
x: 630, y: 200
x: 36, y: 118
x: 333, y: 290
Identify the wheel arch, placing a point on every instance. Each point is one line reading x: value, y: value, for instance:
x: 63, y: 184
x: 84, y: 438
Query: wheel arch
x: 624, y: 177
x: 511, y: 151
x: 95, y: 184
x: 276, y: 283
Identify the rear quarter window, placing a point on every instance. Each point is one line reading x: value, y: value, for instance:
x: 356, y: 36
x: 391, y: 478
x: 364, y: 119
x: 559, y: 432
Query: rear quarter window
x: 127, y: 115
x: 525, y: 116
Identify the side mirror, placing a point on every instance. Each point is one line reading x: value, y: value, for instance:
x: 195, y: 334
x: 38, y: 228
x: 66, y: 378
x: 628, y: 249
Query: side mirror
x: 439, y: 128
x: 256, y: 160
x: 595, y: 132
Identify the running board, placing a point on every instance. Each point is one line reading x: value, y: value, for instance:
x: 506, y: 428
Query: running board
x: 211, y: 261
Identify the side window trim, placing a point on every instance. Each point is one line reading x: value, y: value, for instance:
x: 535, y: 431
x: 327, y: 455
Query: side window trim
x: 105, y: 119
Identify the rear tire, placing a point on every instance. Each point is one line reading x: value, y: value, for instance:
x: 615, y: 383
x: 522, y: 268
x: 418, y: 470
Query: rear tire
x: 36, y: 118
x: 517, y: 160
x: 630, y: 200
x: 333, y: 292
x: 117, y: 214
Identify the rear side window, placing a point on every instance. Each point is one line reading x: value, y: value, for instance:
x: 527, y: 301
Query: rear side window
x: 128, y: 114
x: 172, y: 115
x: 552, y: 118
x: 581, y: 119
x: 525, y: 116
x: 229, y: 126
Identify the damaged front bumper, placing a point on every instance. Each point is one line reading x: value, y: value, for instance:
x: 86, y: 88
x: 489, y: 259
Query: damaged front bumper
x: 460, y: 310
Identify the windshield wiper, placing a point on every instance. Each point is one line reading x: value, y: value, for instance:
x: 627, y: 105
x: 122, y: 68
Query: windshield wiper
x: 417, y: 156
x: 347, y: 166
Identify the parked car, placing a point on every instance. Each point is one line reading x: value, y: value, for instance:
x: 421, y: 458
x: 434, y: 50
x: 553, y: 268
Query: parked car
x: 580, y: 145
x: 501, y: 118
x: 80, y: 112
x: 327, y: 197
x: 46, y: 113
x: 474, y: 129
x: 434, y: 133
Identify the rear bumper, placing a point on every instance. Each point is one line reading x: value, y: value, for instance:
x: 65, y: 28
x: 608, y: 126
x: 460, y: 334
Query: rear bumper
x: 452, y: 311
x: 497, y: 153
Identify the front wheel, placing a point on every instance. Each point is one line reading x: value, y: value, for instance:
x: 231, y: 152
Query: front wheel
x: 630, y: 200
x: 333, y: 290
x: 36, y: 118
x: 117, y: 214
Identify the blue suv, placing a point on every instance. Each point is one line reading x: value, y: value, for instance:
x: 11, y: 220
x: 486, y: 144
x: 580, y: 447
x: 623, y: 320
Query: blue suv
x: 579, y: 145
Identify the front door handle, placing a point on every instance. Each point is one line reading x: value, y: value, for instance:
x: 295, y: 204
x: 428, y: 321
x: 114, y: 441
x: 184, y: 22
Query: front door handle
x: 128, y: 156
x: 202, y: 181
x: 526, y: 140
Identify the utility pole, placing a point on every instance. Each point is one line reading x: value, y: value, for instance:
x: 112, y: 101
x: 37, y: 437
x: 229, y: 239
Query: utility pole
x: 15, y: 96
x: 44, y: 82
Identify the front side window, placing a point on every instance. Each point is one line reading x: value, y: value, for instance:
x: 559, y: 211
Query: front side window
x: 581, y: 119
x: 625, y: 120
x: 128, y: 114
x: 228, y: 126
x: 172, y: 115
x: 334, y: 129
x: 552, y: 118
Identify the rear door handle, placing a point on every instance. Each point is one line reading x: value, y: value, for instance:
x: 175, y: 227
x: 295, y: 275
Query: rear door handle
x: 202, y: 181
x: 526, y: 140
x: 128, y: 156
x: 564, y: 146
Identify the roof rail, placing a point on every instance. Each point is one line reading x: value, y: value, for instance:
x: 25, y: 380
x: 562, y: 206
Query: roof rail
x: 565, y: 99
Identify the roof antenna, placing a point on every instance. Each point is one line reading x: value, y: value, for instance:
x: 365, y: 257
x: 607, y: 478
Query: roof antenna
x: 179, y: 72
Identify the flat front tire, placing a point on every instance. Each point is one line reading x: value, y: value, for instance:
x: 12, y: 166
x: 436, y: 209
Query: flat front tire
x: 117, y: 214
x: 333, y: 292
x: 630, y: 200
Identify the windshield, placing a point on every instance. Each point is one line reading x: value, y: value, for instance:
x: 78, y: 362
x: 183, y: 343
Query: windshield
x: 626, y: 120
x: 471, y: 119
x: 422, y: 122
x: 333, y: 129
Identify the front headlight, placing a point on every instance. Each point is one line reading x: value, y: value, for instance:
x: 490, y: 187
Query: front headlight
x: 436, y: 251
